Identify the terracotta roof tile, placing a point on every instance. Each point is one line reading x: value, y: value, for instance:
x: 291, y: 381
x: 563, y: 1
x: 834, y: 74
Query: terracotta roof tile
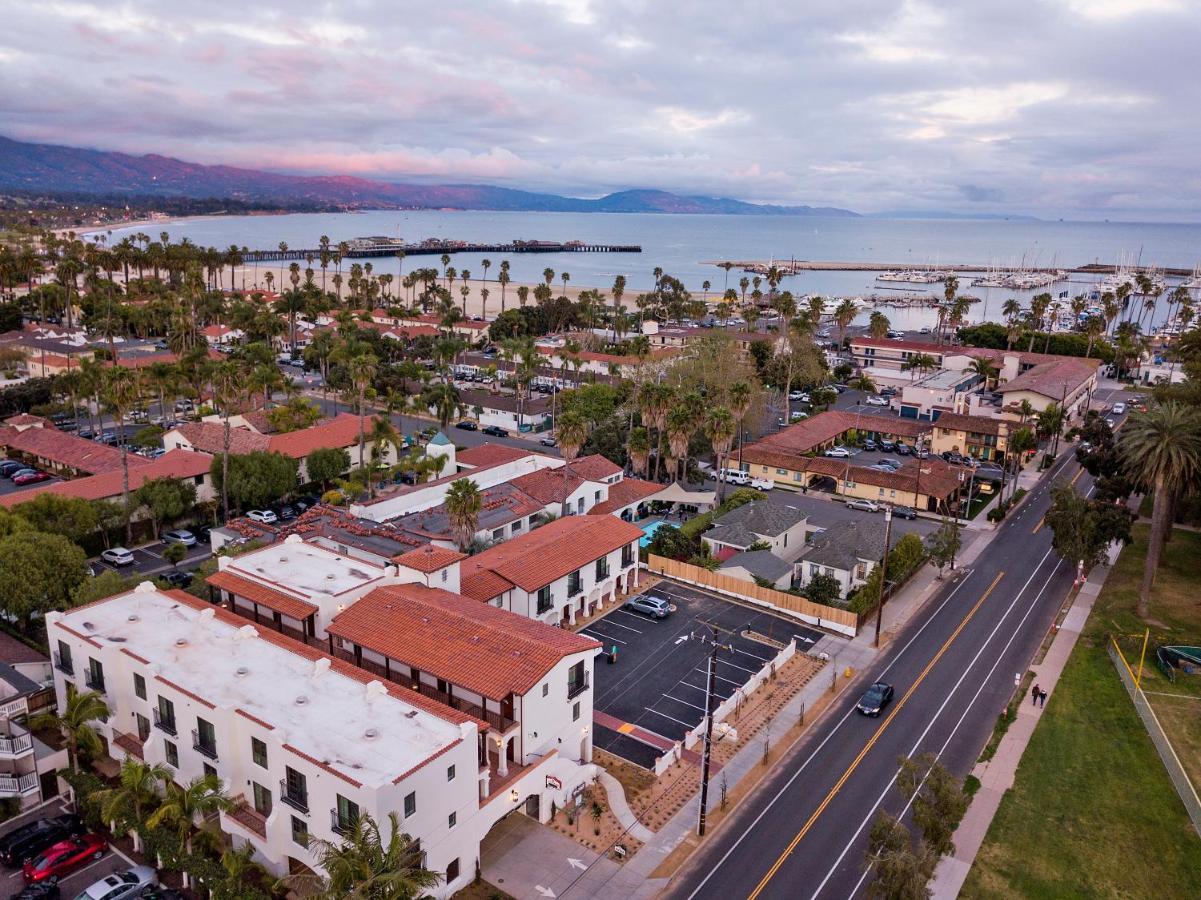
x: 341, y: 431
x: 595, y: 467
x: 209, y: 437
x: 548, y: 485
x: 487, y: 650
x: 976, y: 424
x: 429, y: 558
x: 483, y: 585
x: 487, y: 454
x: 625, y: 492
x: 66, y: 449
x: 270, y: 597
x: 173, y: 464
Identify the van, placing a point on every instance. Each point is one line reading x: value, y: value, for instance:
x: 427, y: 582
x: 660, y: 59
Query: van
x: 734, y: 476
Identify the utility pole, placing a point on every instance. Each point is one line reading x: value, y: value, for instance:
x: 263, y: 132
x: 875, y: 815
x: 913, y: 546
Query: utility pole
x: 883, y: 572
x: 710, y: 688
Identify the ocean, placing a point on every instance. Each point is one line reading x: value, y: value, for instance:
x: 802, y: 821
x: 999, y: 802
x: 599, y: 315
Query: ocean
x: 680, y: 244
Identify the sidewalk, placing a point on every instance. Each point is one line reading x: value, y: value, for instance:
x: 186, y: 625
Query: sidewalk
x: 997, y: 775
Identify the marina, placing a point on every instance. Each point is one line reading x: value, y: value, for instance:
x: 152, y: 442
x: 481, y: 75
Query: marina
x: 377, y: 247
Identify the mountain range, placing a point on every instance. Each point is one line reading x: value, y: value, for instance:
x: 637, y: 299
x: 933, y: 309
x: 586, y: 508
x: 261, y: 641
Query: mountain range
x: 50, y: 168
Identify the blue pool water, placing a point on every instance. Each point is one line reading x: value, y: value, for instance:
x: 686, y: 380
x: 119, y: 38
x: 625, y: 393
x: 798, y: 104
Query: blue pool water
x: 648, y: 531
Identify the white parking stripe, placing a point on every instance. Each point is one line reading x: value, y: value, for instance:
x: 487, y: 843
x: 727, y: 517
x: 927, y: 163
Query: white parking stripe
x: 602, y: 637
x: 607, y: 619
x: 669, y: 718
x: 683, y: 702
x: 720, y: 678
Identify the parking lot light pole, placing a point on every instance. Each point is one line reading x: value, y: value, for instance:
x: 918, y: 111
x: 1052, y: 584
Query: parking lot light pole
x: 883, y: 573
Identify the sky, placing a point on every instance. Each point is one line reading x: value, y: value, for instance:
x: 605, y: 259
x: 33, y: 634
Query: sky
x: 1056, y: 108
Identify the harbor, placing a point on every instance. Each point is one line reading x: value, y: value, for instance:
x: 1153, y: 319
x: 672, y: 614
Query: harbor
x: 380, y: 247
x: 921, y: 276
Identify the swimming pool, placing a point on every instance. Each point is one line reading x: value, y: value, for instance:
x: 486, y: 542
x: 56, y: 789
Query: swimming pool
x: 648, y: 531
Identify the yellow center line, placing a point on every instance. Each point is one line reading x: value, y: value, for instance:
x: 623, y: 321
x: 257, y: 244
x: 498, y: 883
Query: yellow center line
x: 872, y: 742
x: 1076, y: 477
x: 1041, y: 523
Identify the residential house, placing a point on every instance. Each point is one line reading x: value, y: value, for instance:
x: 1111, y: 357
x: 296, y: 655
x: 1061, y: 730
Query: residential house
x: 846, y: 552
x: 761, y: 567
x: 981, y: 437
x: 778, y: 522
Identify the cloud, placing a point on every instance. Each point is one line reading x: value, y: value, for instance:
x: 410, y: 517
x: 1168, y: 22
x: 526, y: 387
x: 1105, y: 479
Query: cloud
x: 1074, y: 108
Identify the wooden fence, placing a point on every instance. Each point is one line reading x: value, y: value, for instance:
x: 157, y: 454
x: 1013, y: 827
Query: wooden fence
x: 828, y: 617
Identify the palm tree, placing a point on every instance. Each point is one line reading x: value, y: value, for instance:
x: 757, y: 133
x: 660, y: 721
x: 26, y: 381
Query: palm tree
x: 571, y: 433
x: 463, y: 505
x: 228, y: 389
x: 382, y: 435
x: 878, y: 324
x: 362, y: 369
x: 639, y: 446
x: 444, y: 398
x: 654, y: 402
x: 844, y: 315
x: 121, y: 393
x: 738, y: 401
x: 719, y: 429
x: 74, y: 723
x: 862, y: 383
x: 1161, y: 451
x: 184, y: 808
x: 126, y: 805
x: 985, y: 369
x: 364, y: 866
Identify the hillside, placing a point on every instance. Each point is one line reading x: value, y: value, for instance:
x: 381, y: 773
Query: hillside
x: 50, y: 168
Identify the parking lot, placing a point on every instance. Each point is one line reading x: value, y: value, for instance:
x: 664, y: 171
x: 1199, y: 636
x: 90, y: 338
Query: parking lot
x: 148, y: 560
x: 75, y: 883
x: 657, y: 685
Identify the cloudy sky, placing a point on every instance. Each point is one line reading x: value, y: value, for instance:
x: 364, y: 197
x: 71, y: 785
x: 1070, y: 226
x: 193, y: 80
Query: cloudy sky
x: 1073, y: 108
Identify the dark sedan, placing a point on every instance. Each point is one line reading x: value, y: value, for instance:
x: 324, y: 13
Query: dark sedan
x: 495, y: 431
x: 875, y: 698
x: 467, y: 426
x: 30, y: 839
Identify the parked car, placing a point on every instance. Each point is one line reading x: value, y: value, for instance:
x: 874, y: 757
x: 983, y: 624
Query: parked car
x: 863, y: 505
x: 903, y: 449
x: 877, y: 401
x: 202, y: 533
x: 64, y: 857
x: 495, y: 431
x: 869, y: 444
x: 11, y: 467
x: 158, y: 892
x: 1111, y: 422
x: 30, y: 839
x: 794, y: 396
x: 887, y: 445
x: 119, y: 885
x: 285, y: 511
x: 875, y: 698
x: 891, y: 464
x: 118, y: 556
x: 179, y: 536
x: 925, y: 329
x: 43, y: 890
x: 838, y: 453
x: 921, y: 453
x: 24, y: 470
x: 305, y: 503
x: 904, y: 512
x: 467, y: 426
x: 31, y: 477
x: 266, y: 516
x: 1118, y: 409
x: 734, y: 476
x: 176, y: 578
x: 797, y: 415
x: 762, y: 484
x: 651, y: 606
x: 548, y: 441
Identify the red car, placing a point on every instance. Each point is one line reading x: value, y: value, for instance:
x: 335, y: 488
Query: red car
x: 59, y: 859
x: 31, y: 478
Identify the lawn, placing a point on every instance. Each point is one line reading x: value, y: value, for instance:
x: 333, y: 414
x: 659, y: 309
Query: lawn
x: 1092, y: 812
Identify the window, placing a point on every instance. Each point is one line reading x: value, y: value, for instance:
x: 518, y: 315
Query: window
x: 575, y: 711
x: 452, y: 871
x: 445, y: 574
x: 516, y: 527
x: 346, y: 815
x: 258, y: 752
x: 498, y: 534
x: 780, y: 471
x: 95, y: 676
x: 139, y: 686
x: 204, y: 738
x: 294, y: 789
x: 544, y: 602
x: 451, y: 820
x: 300, y: 831
x: 627, y: 555
x: 596, y: 497
x: 545, y: 690
x: 62, y: 659
x: 450, y: 773
x: 209, y: 771
x: 577, y: 680
x: 164, y: 715
x: 172, y: 754
x: 602, y: 568
x: 410, y: 804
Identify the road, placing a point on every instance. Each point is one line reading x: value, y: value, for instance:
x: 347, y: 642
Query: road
x: 804, y: 833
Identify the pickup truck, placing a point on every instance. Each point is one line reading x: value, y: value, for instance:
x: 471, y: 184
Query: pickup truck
x: 762, y: 484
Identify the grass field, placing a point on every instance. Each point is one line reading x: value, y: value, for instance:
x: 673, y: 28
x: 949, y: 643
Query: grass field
x: 1093, y: 813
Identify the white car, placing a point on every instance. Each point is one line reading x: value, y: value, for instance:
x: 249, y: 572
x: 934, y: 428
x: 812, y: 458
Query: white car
x: 1119, y: 408
x: 734, y: 476
x: 838, y: 453
x: 762, y: 484
x: 119, y: 885
x: 118, y: 556
x: 1110, y: 422
x: 863, y: 505
x: 266, y: 516
x: 877, y: 401
x: 797, y: 395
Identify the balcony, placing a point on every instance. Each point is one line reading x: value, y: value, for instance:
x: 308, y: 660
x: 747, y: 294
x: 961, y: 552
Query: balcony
x: 66, y: 666
x: 130, y: 743
x: 202, y: 747
x: 94, y: 680
x: 575, y: 688
x: 495, y: 719
x: 342, y: 825
x: 298, y: 800
x: 249, y: 818
x: 18, y: 785
x: 165, y: 723
x: 15, y: 744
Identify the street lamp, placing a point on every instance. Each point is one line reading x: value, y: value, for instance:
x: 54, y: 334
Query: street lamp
x: 883, y: 572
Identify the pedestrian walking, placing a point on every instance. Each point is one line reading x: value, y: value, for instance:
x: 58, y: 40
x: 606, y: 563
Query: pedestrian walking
x: 1042, y: 699
x: 1034, y: 692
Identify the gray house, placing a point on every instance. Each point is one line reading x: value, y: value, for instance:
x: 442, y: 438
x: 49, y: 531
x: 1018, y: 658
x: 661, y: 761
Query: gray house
x: 775, y: 521
x: 759, y: 564
x: 847, y: 551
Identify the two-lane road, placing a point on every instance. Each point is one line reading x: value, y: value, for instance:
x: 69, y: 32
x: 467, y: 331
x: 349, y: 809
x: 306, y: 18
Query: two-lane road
x: 804, y: 834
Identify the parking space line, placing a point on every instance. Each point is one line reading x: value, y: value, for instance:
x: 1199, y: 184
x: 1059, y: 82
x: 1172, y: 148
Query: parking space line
x: 618, y: 624
x: 763, y: 659
x: 736, y: 684
x: 150, y: 553
x: 602, y: 636
x: 726, y: 662
x: 670, y: 719
x: 683, y: 702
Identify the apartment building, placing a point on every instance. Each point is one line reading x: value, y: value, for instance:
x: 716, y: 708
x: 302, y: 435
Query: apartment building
x: 28, y: 768
x: 982, y: 437
x: 306, y: 742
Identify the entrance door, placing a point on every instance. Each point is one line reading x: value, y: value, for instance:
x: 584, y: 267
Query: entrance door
x: 533, y: 806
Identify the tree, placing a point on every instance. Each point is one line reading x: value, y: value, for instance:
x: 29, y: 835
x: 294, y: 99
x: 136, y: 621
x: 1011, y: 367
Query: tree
x: 670, y: 542
x: 719, y: 429
x: 364, y: 865
x: 878, y: 324
x: 295, y: 414
x: 183, y: 808
x: 362, y: 369
x: 938, y: 801
x: 166, y: 499
x: 443, y: 398
x: 72, y: 517
x: 943, y: 544
x: 463, y: 505
x: 571, y: 432
x: 639, y: 446
x: 1161, y: 450
x: 120, y: 394
x: 38, y: 572
x: 1083, y: 529
x: 823, y: 589
x: 76, y: 724
x: 126, y: 806
x: 325, y: 464
x: 175, y: 553
x: 107, y: 584
x: 255, y: 479
x: 900, y: 872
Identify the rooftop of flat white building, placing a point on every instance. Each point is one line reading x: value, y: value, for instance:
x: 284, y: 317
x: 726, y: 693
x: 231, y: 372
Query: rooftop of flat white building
x: 338, y: 716
x: 305, y: 569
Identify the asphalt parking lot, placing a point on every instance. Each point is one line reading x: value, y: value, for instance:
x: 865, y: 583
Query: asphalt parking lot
x: 657, y: 685
x: 7, y: 487
x: 148, y: 560
x: 77, y: 881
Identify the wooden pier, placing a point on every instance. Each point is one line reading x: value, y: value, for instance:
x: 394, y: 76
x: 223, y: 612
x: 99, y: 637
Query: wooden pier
x: 439, y: 250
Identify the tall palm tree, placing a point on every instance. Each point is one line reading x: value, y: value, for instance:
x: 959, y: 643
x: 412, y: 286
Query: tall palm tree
x: 1161, y: 451
x: 985, y: 369
x: 844, y: 315
x: 364, y: 866
x: 383, y: 435
x: 862, y: 383
x: 229, y: 389
x: 126, y: 805
x: 463, y: 505
x: 738, y: 401
x: 362, y: 369
x: 719, y: 429
x: 443, y: 396
x: 121, y: 392
x: 639, y: 446
x: 571, y: 433
x: 76, y: 724
x: 654, y: 402
x: 183, y: 808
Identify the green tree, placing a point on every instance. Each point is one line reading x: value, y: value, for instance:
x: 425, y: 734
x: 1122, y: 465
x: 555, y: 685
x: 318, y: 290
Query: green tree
x: 668, y: 541
x: 571, y: 432
x: 823, y: 589
x: 107, y: 584
x: 184, y: 808
x: 720, y: 428
x: 900, y: 872
x: 443, y: 398
x: 166, y: 499
x: 126, y: 805
x: 175, y: 553
x: 325, y: 464
x: 943, y: 544
x: 38, y: 573
x: 76, y: 724
x: 293, y: 415
x: 255, y: 479
x: 120, y: 394
x: 463, y: 505
x: 938, y: 801
x: 365, y: 865
x: 362, y: 370
x: 72, y: 517
x: 150, y: 436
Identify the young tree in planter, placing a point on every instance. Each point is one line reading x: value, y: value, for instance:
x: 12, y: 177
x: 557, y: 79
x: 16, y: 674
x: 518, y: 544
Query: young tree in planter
x: 127, y: 805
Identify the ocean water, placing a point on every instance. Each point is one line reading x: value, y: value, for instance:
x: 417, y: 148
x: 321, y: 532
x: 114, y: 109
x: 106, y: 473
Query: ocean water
x: 681, y: 245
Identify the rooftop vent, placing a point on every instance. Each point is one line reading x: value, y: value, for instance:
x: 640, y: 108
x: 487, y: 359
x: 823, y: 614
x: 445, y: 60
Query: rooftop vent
x: 371, y: 734
x: 411, y: 714
x: 302, y: 700
x: 181, y: 642
x: 241, y: 671
x: 330, y: 577
x: 88, y: 626
x: 133, y: 617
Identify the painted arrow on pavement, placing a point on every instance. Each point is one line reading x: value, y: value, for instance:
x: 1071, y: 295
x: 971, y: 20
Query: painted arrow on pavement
x: 576, y: 863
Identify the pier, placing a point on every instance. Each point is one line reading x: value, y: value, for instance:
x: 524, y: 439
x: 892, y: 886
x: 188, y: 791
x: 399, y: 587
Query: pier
x: 391, y: 251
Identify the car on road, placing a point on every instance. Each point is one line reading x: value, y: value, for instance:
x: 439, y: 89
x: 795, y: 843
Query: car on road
x: 838, y: 453
x: 1110, y: 422
x: 1118, y: 409
x: 651, y: 606
x: 875, y: 698
x: 863, y: 505
x: 179, y: 536
x: 904, y: 512
x: 921, y: 453
x: 495, y: 431
x: 33, y: 837
x: 177, y: 579
x: 734, y: 476
x: 548, y: 441
x: 877, y: 401
x: 467, y: 426
x: 117, y: 556
x: 63, y: 858
x: 120, y: 885
x: 762, y: 484
x: 31, y: 477
x: 266, y: 516
x: 925, y: 329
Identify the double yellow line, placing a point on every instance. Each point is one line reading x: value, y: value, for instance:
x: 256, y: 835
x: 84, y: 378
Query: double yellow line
x: 1043, y: 520
x: 792, y: 845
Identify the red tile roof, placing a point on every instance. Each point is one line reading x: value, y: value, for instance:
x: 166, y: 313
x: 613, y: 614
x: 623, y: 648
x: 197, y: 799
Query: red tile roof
x: 812, y: 433
x: 173, y: 464
x: 341, y: 431
x: 483, y: 585
x: 487, y: 454
x: 487, y: 650
x: 595, y: 467
x: 548, y: 485
x: 624, y: 493
x: 553, y: 551
x: 272, y: 598
x: 209, y: 437
x: 976, y: 424
x: 429, y: 558
x: 935, y: 350
x: 27, y: 419
x: 66, y: 450
x: 1055, y: 379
